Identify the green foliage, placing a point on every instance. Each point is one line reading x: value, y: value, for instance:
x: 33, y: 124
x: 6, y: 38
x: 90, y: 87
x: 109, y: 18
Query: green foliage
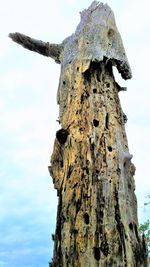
x: 144, y: 228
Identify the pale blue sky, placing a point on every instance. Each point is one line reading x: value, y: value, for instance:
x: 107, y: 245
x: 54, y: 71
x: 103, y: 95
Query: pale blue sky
x: 28, y: 87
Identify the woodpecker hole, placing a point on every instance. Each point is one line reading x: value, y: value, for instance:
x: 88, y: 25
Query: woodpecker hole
x: 95, y: 123
x: 97, y: 254
x: 62, y: 135
x: 94, y: 91
x: 109, y: 148
x: 86, y: 218
x: 131, y: 226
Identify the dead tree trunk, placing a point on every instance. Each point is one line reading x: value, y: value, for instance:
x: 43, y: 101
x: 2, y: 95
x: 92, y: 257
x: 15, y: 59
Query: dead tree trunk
x: 91, y: 165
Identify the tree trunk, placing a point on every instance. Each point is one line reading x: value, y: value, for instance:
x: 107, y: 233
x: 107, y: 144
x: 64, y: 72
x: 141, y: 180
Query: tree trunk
x: 91, y: 165
x: 93, y: 174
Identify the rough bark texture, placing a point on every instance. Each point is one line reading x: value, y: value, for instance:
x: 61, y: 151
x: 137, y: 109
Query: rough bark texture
x: 91, y: 166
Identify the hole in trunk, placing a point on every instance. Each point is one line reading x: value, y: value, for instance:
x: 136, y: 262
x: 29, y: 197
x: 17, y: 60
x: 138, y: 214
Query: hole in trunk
x: 131, y: 226
x: 97, y: 254
x: 82, y: 99
x: 109, y: 148
x: 62, y: 135
x: 107, y: 121
x: 94, y: 91
x: 95, y: 123
x: 86, y: 218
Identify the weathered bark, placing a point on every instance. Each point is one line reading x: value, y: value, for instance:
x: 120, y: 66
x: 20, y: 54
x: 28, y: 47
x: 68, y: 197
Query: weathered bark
x: 91, y: 165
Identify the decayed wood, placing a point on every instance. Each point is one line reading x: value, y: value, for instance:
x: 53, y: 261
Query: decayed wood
x: 91, y: 165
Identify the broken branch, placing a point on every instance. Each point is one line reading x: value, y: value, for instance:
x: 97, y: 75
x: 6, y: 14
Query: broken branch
x: 46, y: 49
